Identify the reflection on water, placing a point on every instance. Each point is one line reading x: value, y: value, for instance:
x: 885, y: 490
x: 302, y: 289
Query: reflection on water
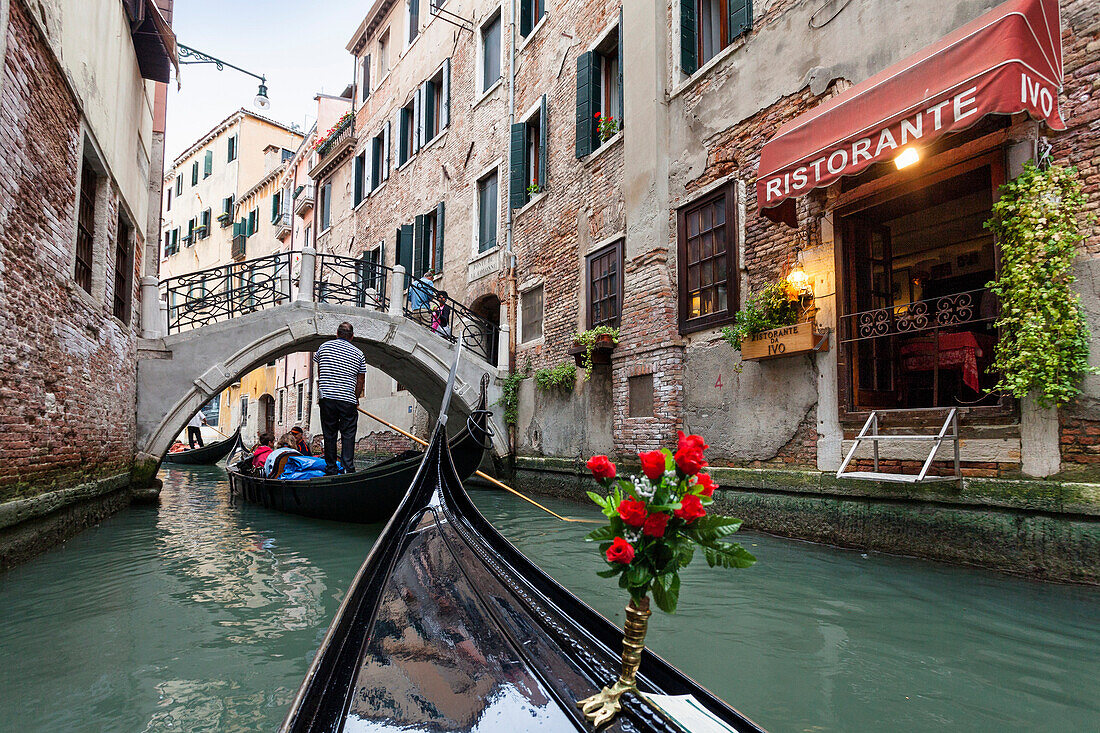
x: 204, y: 615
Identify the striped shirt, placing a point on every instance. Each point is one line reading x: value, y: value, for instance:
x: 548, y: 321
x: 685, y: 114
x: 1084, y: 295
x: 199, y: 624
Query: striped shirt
x: 338, y: 364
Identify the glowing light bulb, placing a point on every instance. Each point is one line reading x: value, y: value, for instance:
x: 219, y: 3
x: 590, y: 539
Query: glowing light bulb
x: 906, y: 158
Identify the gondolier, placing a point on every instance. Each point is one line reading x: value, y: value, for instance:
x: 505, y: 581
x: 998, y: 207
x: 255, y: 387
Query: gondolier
x: 341, y: 371
x: 194, y: 429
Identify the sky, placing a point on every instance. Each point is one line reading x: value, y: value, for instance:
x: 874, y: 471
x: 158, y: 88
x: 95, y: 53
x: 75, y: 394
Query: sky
x: 299, y: 45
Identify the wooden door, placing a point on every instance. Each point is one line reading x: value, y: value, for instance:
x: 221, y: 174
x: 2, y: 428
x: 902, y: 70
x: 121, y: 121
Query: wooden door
x: 870, y: 299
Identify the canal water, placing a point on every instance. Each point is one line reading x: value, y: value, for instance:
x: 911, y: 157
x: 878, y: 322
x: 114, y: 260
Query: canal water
x: 202, y: 615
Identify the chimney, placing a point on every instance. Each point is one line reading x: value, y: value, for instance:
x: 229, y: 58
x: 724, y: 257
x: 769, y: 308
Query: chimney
x: 273, y: 156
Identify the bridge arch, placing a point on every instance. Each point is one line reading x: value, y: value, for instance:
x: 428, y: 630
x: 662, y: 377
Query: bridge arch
x: 179, y: 373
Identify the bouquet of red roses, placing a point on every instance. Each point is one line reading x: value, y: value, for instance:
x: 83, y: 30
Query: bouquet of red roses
x: 655, y: 522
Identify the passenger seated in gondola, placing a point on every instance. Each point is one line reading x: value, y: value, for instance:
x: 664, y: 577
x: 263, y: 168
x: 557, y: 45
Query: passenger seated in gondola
x: 288, y: 464
x: 300, y: 441
x: 261, y: 452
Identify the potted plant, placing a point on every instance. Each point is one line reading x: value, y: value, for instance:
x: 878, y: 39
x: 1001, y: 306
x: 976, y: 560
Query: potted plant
x: 606, y: 126
x: 586, y: 344
x: 774, y: 322
x: 654, y: 525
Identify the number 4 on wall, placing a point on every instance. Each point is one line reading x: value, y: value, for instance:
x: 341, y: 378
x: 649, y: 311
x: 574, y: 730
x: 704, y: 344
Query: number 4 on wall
x: 718, y: 384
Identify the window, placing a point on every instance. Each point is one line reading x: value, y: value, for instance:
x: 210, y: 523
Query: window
x: 232, y: 155
x: 208, y: 164
x: 374, y: 262
x: 244, y: 409
x: 281, y: 393
x: 406, y: 119
x: 384, y: 53
x: 204, y: 224
x: 365, y: 78
x: 124, y: 272
x: 168, y: 205
x: 309, y: 232
x: 412, y: 15
x: 706, y: 260
x: 325, y: 204
x: 190, y: 238
x: 605, y: 285
x: 531, y: 314
x: 253, y: 221
x: 380, y: 158
x: 227, y: 208
x: 179, y: 186
x: 85, y: 226
x: 436, y: 96
x: 428, y: 241
x: 490, y: 53
x: 488, y: 212
x: 600, y: 93
x: 171, y: 242
x: 527, y: 164
x: 195, y: 173
x: 301, y: 401
x: 359, y: 174
x: 530, y: 13
x: 708, y: 26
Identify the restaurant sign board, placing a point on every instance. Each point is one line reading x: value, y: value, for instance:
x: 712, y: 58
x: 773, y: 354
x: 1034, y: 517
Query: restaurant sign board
x: 801, y: 338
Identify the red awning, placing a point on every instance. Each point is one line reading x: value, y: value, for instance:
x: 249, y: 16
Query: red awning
x: 1006, y: 61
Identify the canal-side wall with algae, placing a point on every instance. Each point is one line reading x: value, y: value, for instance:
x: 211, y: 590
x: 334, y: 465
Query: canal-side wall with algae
x: 1047, y: 530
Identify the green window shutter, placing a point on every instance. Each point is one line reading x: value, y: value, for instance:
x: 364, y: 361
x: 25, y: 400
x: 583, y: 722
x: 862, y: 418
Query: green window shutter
x: 357, y: 177
x: 228, y: 205
x: 689, y: 56
x: 403, y: 137
x: 439, y: 236
x: 622, y: 109
x: 195, y: 173
x: 517, y: 171
x: 405, y: 247
x: 588, y: 102
x: 429, y: 110
x: 386, y: 151
x: 445, y: 113
x: 740, y: 17
x: 275, y: 208
x: 525, y: 20
x: 418, y: 119
x: 208, y: 164
x: 544, y: 127
x: 238, y: 228
x: 421, y: 256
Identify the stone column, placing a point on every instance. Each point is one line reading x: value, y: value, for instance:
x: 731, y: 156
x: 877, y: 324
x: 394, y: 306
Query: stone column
x: 308, y: 275
x: 397, y: 290
x: 503, y: 345
x: 151, y: 322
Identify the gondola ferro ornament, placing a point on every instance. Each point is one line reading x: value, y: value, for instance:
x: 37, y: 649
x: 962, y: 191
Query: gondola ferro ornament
x: 655, y: 523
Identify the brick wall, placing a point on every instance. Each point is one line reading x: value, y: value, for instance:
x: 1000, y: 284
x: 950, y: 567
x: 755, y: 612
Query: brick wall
x: 67, y: 376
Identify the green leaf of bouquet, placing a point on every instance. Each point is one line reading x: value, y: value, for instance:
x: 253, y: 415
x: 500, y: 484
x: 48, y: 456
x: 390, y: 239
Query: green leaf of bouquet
x: 611, y: 572
x: 600, y: 501
x: 638, y: 576
x: 711, y: 527
x: 600, y: 534
x: 666, y: 592
x: 728, y: 555
x: 669, y: 460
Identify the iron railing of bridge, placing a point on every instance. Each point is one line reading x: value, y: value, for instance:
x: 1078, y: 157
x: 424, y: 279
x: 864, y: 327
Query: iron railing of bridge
x: 227, y: 291
x: 220, y: 293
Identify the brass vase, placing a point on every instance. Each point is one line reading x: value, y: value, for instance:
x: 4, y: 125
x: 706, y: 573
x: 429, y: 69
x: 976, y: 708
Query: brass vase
x: 605, y: 705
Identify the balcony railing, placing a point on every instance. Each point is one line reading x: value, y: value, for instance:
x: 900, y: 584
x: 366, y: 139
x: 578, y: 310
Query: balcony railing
x: 352, y: 281
x: 946, y: 311
x: 282, y: 223
x: 341, y: 135
x: 303, y: 199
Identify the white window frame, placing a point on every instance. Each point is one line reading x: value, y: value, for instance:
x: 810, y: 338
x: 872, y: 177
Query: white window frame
x: 522, y: 339
x: 493, y: 13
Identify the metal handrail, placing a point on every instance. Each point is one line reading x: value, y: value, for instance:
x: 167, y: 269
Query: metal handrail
x: 226, y: 291
x: 478, y: 335
x: 351, y: 280
x: 930, y: 314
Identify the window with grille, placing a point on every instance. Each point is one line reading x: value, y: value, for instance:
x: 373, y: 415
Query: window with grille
x: 605, y: 285
x: 707, y: 261
x: 531, y: 314
x: 124, y: 273
x: 85, y: 227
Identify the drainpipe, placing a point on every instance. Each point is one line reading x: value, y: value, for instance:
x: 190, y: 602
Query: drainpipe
x: 510, y: 257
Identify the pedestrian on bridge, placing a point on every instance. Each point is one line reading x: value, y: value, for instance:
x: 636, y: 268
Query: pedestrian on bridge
x: 341, y: 371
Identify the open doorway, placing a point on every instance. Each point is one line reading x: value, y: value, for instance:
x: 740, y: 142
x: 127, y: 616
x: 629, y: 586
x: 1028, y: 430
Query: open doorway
x: 266, y: 417
x: 488, y: 308
x: 917, y: 329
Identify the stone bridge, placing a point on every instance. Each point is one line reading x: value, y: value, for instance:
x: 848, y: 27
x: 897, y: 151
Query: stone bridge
x: 219, y: 324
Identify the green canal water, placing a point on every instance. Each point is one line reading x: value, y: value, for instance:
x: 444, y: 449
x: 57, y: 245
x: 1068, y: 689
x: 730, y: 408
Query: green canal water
x: 202, y: 615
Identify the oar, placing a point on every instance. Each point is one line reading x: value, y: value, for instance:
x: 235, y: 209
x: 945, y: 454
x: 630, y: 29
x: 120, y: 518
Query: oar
x: 480, y: 474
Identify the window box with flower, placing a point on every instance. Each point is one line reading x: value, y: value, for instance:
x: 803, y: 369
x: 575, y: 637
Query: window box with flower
x: 774, y: 322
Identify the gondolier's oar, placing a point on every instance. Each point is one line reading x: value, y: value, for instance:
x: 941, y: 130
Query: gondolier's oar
x: 479, y: 474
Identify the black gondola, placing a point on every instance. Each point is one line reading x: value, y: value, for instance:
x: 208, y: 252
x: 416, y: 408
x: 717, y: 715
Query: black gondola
x: 447, y: 627
x: 207, y: 455
x: 366, y: 496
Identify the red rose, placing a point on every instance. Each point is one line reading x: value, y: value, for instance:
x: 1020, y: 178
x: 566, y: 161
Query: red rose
x: 620, y: 551
x: 655, y: 525
x: 691, y: 508
x: 707, y: 484
x: 653, y: 464
x: 632, y: 511
x: 601, y: 467
x: 597, y: 115
x: 693, y: 441
x: 690, y: 460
